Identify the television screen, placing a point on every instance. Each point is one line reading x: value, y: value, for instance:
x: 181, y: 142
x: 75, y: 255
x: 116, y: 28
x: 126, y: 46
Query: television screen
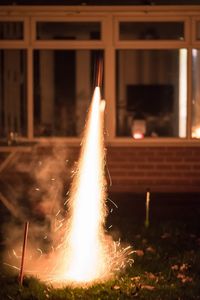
x: 150, y: 99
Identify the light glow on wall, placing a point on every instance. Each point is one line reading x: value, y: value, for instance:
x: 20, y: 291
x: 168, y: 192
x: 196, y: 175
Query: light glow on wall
x: 182, y: 92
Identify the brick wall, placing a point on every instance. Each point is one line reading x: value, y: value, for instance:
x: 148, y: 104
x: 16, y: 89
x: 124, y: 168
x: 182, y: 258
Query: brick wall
x: 163, y: 169
x: 132, y: 169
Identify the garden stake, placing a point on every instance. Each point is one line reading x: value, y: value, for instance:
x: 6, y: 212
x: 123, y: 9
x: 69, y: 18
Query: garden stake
x: 21, y: 274
x: 147, y: 208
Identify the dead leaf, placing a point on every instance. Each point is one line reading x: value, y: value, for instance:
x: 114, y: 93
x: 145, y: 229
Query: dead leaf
x: 180, y: 275
x: 139, y: 252
x: 174, y: 267
x: 116, y: 287
x: 187, y: 279
x: 184, y: 267
x: 136, y: 278
x: 148, y: 287
x: 165, y: 235
x: 144, y: 241
x: 184, y: 278
x: 151, y: 275
x: 150, y: 249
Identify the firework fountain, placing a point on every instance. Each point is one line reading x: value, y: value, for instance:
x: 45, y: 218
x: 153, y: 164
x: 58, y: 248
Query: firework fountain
x: 88, y: 254
x: 85, y: 253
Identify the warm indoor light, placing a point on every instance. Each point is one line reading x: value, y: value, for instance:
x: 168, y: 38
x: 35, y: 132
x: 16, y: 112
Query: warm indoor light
x: 196, y: 132
x: 138, y: 135
x: 182, y: 92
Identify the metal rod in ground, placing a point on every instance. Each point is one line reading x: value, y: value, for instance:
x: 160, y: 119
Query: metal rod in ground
x: 147, y: 208
x: 21, y: 274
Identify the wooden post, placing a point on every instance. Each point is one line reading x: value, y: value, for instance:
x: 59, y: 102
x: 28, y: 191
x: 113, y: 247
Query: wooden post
x: 147, y: 208
x: 21, y: 274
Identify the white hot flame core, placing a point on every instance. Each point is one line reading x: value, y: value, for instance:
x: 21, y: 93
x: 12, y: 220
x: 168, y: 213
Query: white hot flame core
x: 84, y: 238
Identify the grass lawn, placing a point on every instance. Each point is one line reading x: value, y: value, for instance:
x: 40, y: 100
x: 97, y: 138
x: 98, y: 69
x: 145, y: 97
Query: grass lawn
x: 166, y: 258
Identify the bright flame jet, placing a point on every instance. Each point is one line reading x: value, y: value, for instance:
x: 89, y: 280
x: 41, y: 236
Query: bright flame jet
x: 84, y: 239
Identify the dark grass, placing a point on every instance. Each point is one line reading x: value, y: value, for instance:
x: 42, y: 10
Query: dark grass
x: 167, y: 257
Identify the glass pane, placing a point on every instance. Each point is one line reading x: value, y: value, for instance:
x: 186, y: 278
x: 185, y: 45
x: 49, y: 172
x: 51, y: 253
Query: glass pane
x: 198, y: 31
x: 11, y: 30
x: 63, y: 87
x: 68, y: 30
x: 195, y: 93
x: 151, y: 31
x: 151, y: 93
x: 13, y: 106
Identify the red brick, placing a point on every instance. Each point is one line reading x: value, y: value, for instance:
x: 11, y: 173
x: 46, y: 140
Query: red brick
x: 196, y: 167
x: 145, y: 166
x: 164, y: 167
x: 182, y: 167
x: 174, y: 159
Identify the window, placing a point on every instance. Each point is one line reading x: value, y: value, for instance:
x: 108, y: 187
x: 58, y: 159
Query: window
x: 13, y: 106
x: 151, y: 30
x: 68, y: 30
x: 63, y: 86
x: 151, y: 71
x: 11, y: 30
x: 151, y: 94
x: 198, y: 30
x: 196, y: 93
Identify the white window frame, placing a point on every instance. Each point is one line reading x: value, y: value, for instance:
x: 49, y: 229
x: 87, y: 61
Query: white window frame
x: 154, y: 44
x: 16, y: 44
x: 109, y: 18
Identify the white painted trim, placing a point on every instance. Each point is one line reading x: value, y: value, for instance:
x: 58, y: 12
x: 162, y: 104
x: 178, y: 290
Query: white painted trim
x: 109, y: 16
x: 30, y: 96
x: 62, y: 9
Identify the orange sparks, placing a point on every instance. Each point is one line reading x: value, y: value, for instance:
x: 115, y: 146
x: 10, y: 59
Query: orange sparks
x: 87, y: 254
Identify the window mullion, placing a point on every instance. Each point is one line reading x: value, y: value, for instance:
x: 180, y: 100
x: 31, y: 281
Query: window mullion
x: 30, y: 92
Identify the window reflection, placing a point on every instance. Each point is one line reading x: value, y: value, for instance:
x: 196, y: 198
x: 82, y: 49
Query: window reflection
x: 195, y: 93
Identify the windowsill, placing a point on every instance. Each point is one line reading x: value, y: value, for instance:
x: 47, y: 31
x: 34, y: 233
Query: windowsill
x: 115, y: 142
x: 19, y: 145
x: 151, y: 142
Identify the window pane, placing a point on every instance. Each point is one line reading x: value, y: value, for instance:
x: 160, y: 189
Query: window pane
x: 68, y: 30
x: 195, y: 93
x: 11, y: 30
x: 151, y: 31
x: 63, y: 87
x: 13, y: 107
x: 198, y: 30
x: 151, y: 93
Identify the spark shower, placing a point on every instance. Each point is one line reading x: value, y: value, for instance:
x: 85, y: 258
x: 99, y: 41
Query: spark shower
x: 85, y: 253
x: 88, y: 254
